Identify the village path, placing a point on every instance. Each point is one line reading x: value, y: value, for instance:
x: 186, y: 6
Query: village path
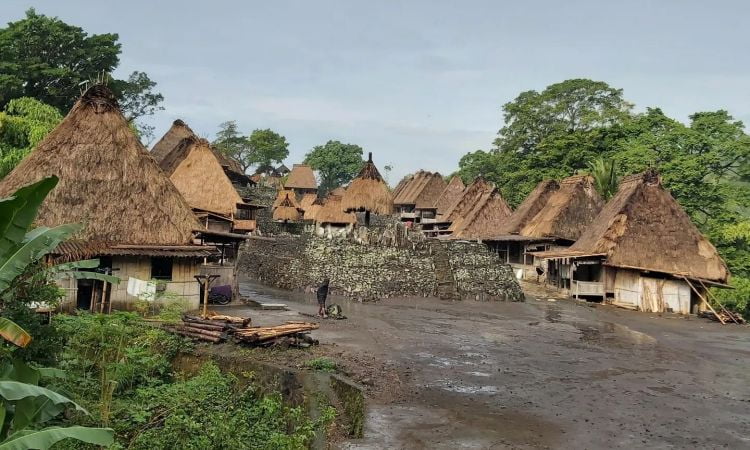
x: 538, y: 374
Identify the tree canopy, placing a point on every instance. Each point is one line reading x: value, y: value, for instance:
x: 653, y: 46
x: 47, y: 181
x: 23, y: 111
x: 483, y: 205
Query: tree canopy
x: 23, y: 123
x: 336, y: 163
x: 261, y: 148
x: 47, y: 59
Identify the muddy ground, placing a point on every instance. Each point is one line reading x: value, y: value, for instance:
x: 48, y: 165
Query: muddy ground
x: 547, y: 373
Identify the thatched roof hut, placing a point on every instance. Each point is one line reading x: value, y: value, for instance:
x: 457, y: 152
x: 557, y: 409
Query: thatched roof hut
x: 307, y: 200
x: 467, y: 200
x: 482, y: 218
x: 338, y: 191
x: 568, y: 211
x: 450, y: 194
x: 333, y: 212
x: 422, y: 190
x: 368, y: 192
x: 643, y: 227
x: 288, y: 209
x: 179, y: 131
x: 197, y: 174
x: 301, y: 178
x: 108, y: 180
x: 284, y: 194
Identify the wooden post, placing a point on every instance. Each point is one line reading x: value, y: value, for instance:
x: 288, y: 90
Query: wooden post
x: 704, y: 300
x: 205, y: 298
x: 723, y: 309
x: 367, y: 218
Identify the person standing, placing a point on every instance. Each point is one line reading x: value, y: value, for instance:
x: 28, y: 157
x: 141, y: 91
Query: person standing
x: 322, y: 297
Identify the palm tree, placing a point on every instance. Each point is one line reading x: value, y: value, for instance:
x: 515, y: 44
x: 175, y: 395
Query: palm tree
x: 604, y: 173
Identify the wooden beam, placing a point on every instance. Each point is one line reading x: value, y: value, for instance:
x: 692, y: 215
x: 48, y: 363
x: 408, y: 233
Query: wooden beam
x: 704, y: 300
x: 723, y: 309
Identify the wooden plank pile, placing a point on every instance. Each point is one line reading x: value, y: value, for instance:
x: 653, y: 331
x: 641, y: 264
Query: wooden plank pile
x: 724, y: 316
x: 220, y: 328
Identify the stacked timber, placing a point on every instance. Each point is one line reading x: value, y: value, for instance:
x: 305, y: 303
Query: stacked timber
x: 219, y: 328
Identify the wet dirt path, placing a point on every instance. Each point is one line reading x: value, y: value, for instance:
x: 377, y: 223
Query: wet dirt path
x: 540, y: 374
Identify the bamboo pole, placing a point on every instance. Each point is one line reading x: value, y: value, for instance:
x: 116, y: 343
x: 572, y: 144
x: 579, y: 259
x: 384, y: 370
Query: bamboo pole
x: 704, y: 300
x: 723, y: 309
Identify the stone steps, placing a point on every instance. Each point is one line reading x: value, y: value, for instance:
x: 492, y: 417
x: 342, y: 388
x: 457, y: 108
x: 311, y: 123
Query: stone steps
x: 446, y: 283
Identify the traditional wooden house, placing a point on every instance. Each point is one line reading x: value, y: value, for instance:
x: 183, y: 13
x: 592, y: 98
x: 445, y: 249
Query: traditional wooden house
x: 570, y: 207
x: 642, y: 251
x: 452, y: 192
x: 179, y: 131
x: 332, y: 221
x: 301, y: 180
x: 416, y: 199
x: 135, y: 220
x: 286, y: 208
x: 368, y: 193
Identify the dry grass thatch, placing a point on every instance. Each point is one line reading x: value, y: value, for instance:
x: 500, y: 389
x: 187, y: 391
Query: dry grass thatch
x: 450, y: 194
x: 471, y: 195
x: 197, y: 174
x: 333, y: 212
x: 288, y: 209
x: 483, y: 217
x: 568, y: 211
x: 368, y: 192
x: 338, y: 191
x: 308, y: 200
x: 177, y: 132
x: 301, y: 177
x: 108, y: 180
x: 643, y: 226
x: 311, y: 212
x: 529, y: 208
x: 421, y: 190
x: 285, y: 194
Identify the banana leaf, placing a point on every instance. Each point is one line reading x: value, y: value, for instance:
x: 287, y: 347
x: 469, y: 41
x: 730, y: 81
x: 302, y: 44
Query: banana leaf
x: 15, y: 390
x: 70, y: 270
x: 19, y: 211
x: 36, y: 244
x: 11, y: 332
x: 46, y: 438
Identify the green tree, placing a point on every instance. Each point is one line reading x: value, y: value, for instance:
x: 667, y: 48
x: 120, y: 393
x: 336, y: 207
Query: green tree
x: 336, y: 163
x: 232, y: 143
x: 49, y: 60
x: 266, y: 147
x: 604, y: 173
x: 23, y: 123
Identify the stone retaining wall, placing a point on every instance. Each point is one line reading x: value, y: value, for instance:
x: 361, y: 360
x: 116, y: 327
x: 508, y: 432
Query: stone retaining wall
x: 371, y: 271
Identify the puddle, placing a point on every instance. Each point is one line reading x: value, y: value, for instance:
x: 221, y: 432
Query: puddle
x: 478, y: 374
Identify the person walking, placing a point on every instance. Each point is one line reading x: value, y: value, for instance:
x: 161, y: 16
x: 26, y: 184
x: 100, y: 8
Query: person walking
x: 322, y: 297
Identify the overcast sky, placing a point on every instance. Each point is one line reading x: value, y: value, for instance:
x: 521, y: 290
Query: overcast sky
x: 418, y: 83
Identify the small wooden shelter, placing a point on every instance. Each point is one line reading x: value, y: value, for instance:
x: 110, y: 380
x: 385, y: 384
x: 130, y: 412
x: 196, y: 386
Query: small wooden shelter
x: 332, y: 221
x: 642, y: 251
x: 416, y: 199
x: 135, y: 220
x: 368, y: 192
x: 301, y: 180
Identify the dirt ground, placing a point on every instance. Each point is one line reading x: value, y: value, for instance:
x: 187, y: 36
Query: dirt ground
x: 547, y: 373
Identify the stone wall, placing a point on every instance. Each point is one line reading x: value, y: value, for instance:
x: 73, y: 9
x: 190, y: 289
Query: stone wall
x: 375, y: 271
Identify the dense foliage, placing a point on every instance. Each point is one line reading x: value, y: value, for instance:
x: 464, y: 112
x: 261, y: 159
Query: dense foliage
x: 23, y: 123
x: 570, y: 125
x: 261, y: 148
x: 47, y: 59
x: 337, y: 163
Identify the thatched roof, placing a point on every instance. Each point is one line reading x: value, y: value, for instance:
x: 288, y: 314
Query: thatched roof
x: 197, y: 174
x: 482, y: 218
x: 529, y: 208
x: 333, y: 212
x: 568, y: 211
x: 421, y: 190
x: 338, y: 191
x: 108, y: 180
x: 282, y: 169
x: 177, y: 132
x: 467, y: 200
x: 307, y: 200
x: 287, y: 210
x: 644, y: 227
x: 368, y: 192
x: 311, y: 212
x: 401, y: 185
x: 286, y: 194
x: 450, y: 194
x: 301, y: 177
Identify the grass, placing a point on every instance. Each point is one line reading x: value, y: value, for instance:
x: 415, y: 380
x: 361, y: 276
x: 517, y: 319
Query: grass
x: 322, y: 364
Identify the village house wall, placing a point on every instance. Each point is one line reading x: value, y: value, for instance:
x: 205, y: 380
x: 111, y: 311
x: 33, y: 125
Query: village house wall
x: 182, y: 286
x: 375, y: 271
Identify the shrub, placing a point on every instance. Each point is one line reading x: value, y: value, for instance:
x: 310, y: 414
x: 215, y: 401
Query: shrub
x: 322, y: 364
x: 737, y: 299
